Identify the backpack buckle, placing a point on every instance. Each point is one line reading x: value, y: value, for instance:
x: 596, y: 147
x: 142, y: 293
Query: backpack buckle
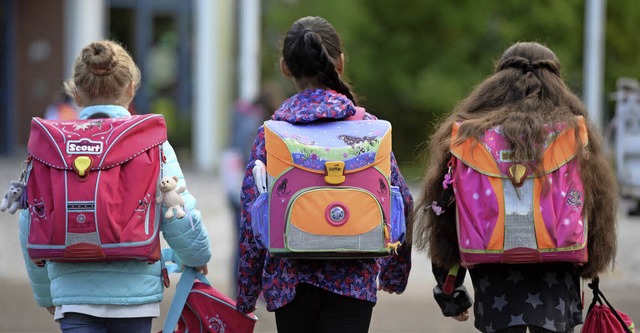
x: 335, y: 172
x: 82, y: 164
x: 517, y: 174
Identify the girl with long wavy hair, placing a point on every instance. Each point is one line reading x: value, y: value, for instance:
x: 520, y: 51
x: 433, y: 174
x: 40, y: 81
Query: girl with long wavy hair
x: 521, y: 98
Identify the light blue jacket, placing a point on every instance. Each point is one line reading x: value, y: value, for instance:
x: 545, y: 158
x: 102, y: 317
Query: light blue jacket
x: 120, y: 282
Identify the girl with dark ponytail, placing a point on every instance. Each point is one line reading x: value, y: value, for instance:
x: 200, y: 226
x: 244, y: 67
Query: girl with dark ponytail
x: 312, y: 55
x: 316, y: 295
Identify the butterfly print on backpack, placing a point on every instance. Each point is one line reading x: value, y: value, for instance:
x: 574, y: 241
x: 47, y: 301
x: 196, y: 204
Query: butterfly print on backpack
x: 356, y: 142
x: 383, y: 187
x: 282, y: 188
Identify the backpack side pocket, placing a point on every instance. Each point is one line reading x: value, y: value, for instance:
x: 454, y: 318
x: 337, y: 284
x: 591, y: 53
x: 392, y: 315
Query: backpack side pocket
x: 260, y: 219
x: 398, y: 222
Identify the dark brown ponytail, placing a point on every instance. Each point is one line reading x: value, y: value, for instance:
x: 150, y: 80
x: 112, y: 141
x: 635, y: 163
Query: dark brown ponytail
x: 310, y: 51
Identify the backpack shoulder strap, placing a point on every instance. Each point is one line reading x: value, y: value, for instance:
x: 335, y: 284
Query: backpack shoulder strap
x: 359, y: 115
x: 183, y: 288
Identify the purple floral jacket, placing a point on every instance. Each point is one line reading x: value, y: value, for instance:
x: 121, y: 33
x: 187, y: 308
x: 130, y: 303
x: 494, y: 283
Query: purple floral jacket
x: 277, y: 278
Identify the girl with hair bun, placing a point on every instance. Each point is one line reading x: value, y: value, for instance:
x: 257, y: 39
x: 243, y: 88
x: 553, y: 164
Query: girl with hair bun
x: 115, y: 296
x: 520, y: 100
x: 315, y: 295
x: 104, y: 73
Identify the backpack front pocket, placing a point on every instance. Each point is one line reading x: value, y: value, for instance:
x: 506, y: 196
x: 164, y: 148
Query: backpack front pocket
x: 335, y: 219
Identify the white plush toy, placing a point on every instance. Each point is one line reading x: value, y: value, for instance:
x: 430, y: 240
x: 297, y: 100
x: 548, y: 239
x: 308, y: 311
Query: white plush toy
x: 12, y: 199
x: 171, y: 198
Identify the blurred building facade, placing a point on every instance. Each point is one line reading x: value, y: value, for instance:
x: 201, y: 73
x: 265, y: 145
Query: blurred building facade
x: 184, y: 49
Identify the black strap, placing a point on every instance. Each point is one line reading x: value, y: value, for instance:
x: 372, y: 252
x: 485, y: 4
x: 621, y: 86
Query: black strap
x: 598, y: 297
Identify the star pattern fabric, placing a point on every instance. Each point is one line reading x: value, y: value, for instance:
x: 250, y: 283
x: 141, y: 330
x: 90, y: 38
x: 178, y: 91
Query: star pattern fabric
x: 546, y: 296
x: 534, y: 299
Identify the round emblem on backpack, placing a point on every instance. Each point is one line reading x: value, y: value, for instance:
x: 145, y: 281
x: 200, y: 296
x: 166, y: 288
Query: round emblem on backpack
x: 337, y: 213
x: 216, y: 324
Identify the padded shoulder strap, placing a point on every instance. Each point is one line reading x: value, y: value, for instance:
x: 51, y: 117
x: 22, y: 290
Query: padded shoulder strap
x: 360, y: 111
x: 188, y: 277
x: 179, y: 300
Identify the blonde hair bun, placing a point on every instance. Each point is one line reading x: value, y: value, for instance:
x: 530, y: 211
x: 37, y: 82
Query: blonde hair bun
x: 100, y: 58
x: 102, y: 73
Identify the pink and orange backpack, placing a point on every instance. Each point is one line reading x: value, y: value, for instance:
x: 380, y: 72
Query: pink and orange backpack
x: 328, y: 191
x: 506, y: 214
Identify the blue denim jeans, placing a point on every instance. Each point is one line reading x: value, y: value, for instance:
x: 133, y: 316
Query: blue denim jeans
x: 82, y: 323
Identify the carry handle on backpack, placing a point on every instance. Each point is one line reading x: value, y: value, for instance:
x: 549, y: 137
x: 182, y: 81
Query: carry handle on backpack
x: 598, y: 297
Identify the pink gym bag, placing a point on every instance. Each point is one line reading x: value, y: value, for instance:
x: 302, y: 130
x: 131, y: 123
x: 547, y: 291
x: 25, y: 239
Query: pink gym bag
x: 602, y: 317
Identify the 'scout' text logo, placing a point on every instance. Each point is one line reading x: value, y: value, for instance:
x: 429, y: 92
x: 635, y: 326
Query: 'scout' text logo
x: 84, y: 146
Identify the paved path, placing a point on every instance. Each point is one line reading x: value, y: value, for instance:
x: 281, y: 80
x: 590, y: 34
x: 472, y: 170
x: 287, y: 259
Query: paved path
x: 414, y: 311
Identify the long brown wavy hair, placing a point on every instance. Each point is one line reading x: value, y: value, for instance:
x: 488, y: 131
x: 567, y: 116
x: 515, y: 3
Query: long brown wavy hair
x: 525, y: 93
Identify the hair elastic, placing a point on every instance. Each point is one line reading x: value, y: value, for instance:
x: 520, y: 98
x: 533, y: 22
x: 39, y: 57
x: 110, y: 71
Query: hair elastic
x: 528, y: 68
x: 100, y: 71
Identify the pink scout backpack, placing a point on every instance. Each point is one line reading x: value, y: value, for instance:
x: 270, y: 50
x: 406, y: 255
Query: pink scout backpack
x: 505, y: 214
x: 328, y: 193
x: 91, y: 189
